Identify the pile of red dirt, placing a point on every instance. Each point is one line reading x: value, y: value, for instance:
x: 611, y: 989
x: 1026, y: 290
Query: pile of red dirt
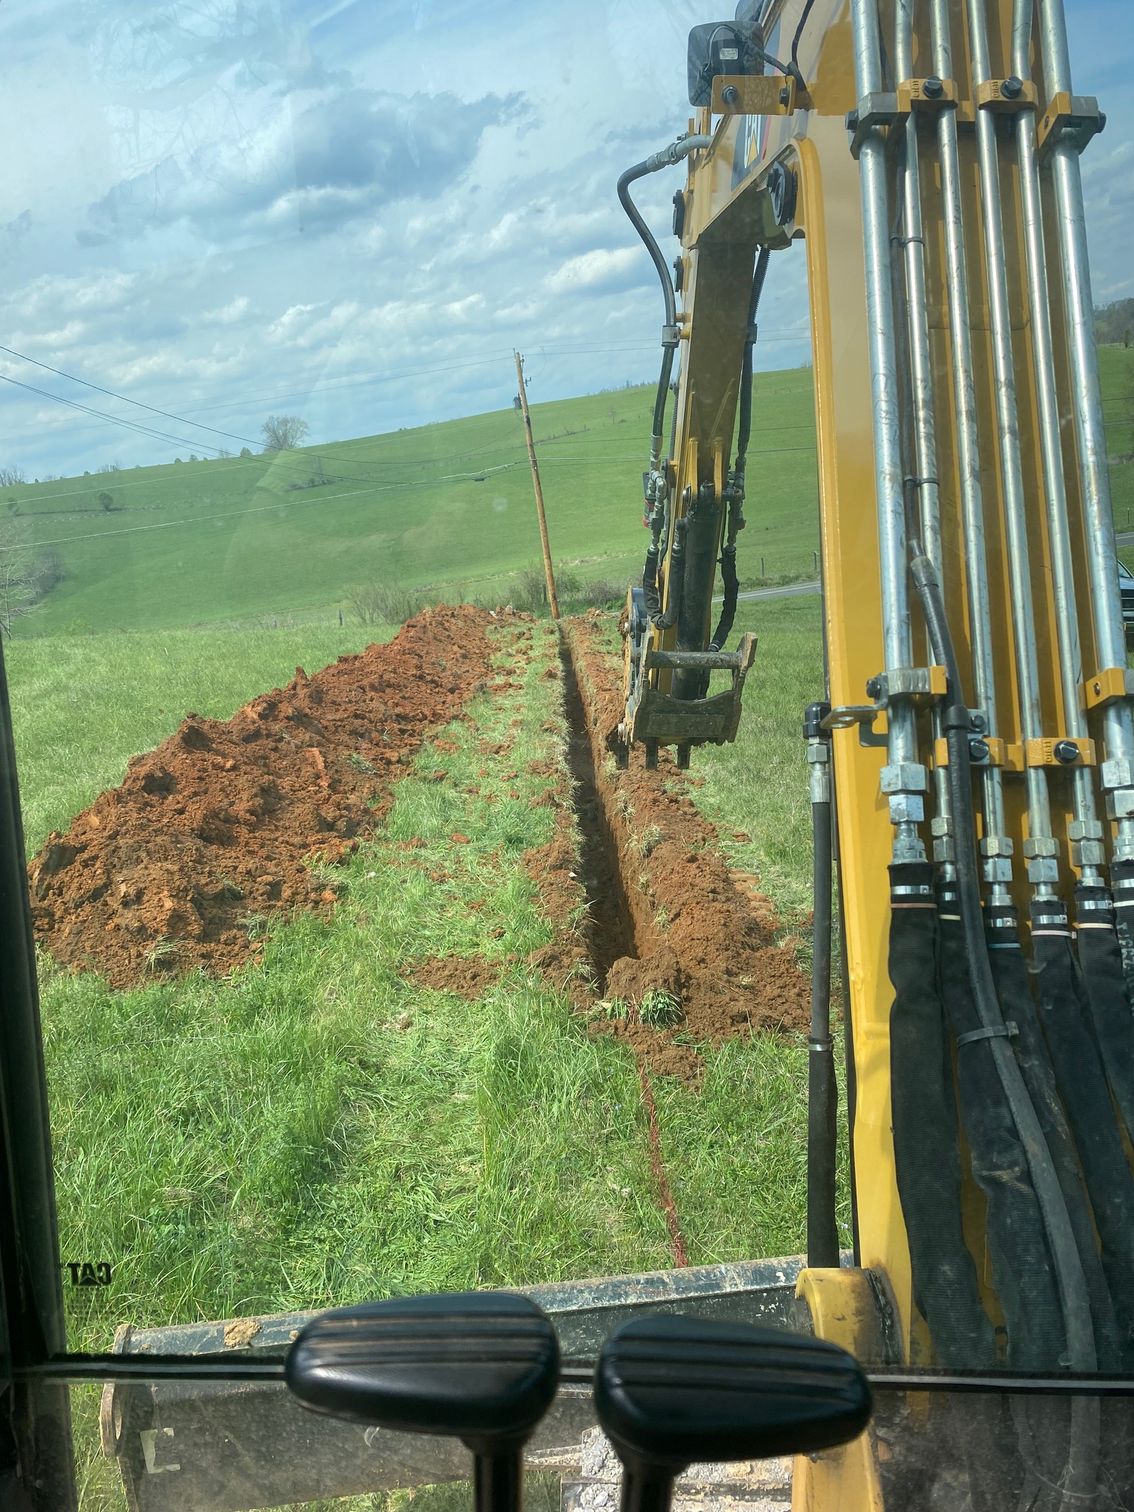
x: 212, y: 830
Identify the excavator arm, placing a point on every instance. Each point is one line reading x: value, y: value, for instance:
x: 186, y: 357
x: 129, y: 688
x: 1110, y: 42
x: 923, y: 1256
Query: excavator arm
x: 976, y: 731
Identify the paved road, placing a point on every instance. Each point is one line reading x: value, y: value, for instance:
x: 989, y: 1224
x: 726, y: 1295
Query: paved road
x: 793, y: 590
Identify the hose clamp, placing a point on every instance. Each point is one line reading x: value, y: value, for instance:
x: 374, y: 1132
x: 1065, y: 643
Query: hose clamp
x: 1009, y: 1030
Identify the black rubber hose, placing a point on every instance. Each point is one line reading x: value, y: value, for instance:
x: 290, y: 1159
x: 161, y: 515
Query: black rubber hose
x: 670, y: 617
x: 640, y: 170
x: 795, y: 41
x: 1018, y: 1006
x: 650, y: 582
x: 1025, y: 1246
x: 1082, y: 1086
x: 731, y: 585
x: 924, y: 1117
x: 1100, y: 961
x: 822, y: 1092
x: 1122, y: 882
x: 744, y: 430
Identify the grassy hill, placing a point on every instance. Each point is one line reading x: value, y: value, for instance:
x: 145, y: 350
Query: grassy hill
x: 446, y: 507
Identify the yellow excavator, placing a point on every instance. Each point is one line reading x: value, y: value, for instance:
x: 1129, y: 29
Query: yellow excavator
x: 972, y: 784
x: 974, y: 750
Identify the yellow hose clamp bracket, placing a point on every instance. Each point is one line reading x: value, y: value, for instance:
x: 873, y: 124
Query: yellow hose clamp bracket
x: 1000, y: 753
x: 1074, y: 118
x: 1107, y: 687
x: 1060, y: 751
x: 1007, y: 95
x: 926, y: 94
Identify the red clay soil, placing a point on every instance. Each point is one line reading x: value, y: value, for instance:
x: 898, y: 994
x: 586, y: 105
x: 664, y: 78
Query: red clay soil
x: 468, y: 976
x: 214, y: 827
x: 686, y: 927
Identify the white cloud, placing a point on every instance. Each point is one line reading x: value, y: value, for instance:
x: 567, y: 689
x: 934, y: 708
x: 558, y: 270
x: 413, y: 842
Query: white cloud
x: 600, y: 270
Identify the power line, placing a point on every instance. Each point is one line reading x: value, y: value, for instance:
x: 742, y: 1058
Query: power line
x: 111, y: 393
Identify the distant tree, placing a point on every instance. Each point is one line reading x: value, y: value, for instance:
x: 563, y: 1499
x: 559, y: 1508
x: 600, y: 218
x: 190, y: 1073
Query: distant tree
x: 245, y: 451
x: 177, y: 459
x: 109, y: 467
x: 105, y: 501
x: 193, y: 457
x: 283, y: 432
x: 10, y: 476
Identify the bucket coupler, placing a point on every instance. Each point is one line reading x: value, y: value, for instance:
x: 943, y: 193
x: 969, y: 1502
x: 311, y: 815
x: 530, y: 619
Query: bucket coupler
x: 657, y: 718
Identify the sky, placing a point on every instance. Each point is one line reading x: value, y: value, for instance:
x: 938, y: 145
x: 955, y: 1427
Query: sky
x: 353, y: 210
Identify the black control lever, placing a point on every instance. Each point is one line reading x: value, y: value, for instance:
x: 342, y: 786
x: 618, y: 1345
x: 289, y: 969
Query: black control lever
x: 479, y: 1366
x: 675, y: 1391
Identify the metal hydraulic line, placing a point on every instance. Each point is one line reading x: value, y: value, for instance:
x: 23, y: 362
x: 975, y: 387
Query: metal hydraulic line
x: 1087, y: 852
x: 904, y: 779
x: 1098, y: 517
x: 1040, y: 848
x: 996, y: 847
x: 928, y: 492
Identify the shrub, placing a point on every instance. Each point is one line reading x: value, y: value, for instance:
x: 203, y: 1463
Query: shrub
x: 383, y: 604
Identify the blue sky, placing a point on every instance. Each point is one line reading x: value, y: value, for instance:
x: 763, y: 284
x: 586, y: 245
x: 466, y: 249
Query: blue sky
x: 354, y: 210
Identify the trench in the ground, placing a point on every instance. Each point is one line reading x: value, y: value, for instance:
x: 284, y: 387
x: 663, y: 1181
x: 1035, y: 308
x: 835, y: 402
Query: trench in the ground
x: 613, y: 931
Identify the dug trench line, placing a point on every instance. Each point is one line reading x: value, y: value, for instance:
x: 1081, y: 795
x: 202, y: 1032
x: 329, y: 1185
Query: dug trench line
x: 611, y: 934
x: 678, y: 955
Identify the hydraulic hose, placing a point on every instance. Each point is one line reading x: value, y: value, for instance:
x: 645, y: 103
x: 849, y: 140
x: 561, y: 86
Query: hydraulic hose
x: 731, y: 584
x: 669, y: 618
x: 744, y: 430
x: 674, y: 153
x: 1028, y: 1247
x: 729, y: 580
x: 822, y: 1093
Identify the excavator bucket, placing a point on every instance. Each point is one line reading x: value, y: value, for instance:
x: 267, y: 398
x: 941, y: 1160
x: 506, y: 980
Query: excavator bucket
x: 655, y: 717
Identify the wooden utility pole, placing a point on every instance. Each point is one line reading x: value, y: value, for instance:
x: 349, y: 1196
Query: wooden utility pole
x: 547, y: 568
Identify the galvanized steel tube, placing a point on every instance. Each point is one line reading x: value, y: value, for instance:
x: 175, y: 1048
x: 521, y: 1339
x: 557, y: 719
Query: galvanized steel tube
x: 1088, y: 836
x: 997, y: 866
x: 1098, y: 517
x: 903, y: 751
x: 924, y: 427
x: 1043, y: 868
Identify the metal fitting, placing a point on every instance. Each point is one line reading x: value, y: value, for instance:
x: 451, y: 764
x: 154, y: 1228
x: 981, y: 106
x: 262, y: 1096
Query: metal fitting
x: 997, y: 845
x: 997, y: 869
x: 1087, y: 853
x: 1042, y: 845
x: 1120, y: 804
x: 1117, y: 773
x: 904, y: 777
x: 1041, y: 870
x: 907, y: 808
x: 1085, y: 829
x: 944, y: 850
x: 939, y: 827
x: 1012, y: 88
x: 934, y: 88
x: 1123, y: 849
x: 979, y: 750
